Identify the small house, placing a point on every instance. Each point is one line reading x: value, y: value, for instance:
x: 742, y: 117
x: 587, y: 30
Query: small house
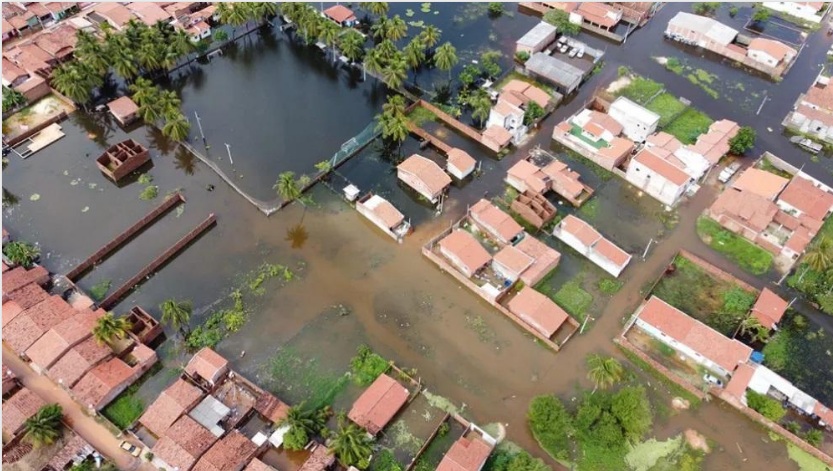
x: 169, y: 406
x: 207, y: 367
x: 536, y: 39
x: 802, y: 198
x: 150, y: 13
x: 510, y: 117
x: 525, y: 176
x: 182, y: 445
x: 510, y: 262
x: 424, y: 176
x: 760, y: 182
x: 769, y: 308
x: 808, y: 11
x: 770, y: 52
x: 460, y: 164
x: 124, y: 110
x: 599, y: 14
x: 341, y: 15
x: 587, y: 241
x: 121, y: 159
x: 198, y: 31
x: 58, y: 340
x: 384, y: 215
x: 496, y: 222
x: 378, y: 404
x: 468, y: 453
x: 637, y: 122
x: 538, y: 311
x: 496, y: 137
x: 79, y: 360
x: 464, y: 252
x: 658, y: 177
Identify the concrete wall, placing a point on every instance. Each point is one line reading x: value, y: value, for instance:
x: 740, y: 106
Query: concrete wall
x: 684, y: 349
x: 654, y: 184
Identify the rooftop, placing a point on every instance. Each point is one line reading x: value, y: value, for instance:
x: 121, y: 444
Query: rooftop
x: 460, y: 159
x: 530, y: 174
x: 27, y: 327
x: 123, y: 107
x: 545, y: 257
x: 228, y: 454
x: 513, y: 259
x: 740, y: 380
x: 746, y: 208
x: 49, y: 348
x: 149, y: 12
x: 725, y: 352
x: 466, y: 454
x: 378, y: 404
x: 424, y: 169
x: 535, y: 36
x: 496, y: 221
x: 778, y: 50
x: 183, y: 443
x: 497, y: 134
x: 207, y: 364
x: 339, y: 13
x: 384, y: 211
x: 538, y: 311
x: 271, y: 407
x: 760, y: 182
x: 77, y: 361
x: 554, y: 69
x: 320, y: 460
x: 22, y: 405
x: 169, y: 406
x: 662, y: 167
x: 257, y: 465
x: 94, y: 387
x: 633, y: 110
x: 708, y: 27
x: 802, y: 195
x: 580, y: 230
x: 769, y: 308
x: 466, y: 248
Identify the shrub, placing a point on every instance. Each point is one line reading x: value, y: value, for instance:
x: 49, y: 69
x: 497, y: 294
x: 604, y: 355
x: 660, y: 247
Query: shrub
x: 149, y: 193
x: 705, y: 8
x: 533, y: 113
x: 743, y: 141
x: 609, y: 286
x: 295, y: 439
x: 522, y: 56
x: 761, y: 14
x: 814, y: 437
x: 21, y: 253
x: 495, y: 9
x: 551, y: 425
x: 561, y: 20
x: 765, y: 405
x: 622, y: 70
x: 733, y: 11
x: 366, y: 366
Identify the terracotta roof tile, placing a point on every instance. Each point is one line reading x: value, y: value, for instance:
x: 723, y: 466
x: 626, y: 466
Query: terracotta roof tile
x: 530, y: 174
x: 183, y: 444
x: 776, y: 49
x: 760, y: 182
x: 769, y: 308
x: 257, y: 465
x: 384, y: 210
x: 610, y: 251
x: 740, y: 380
x: 123, y: 107
x: 22, y: 405
x: 378, y: 404
x: 271, y: 407
x: 77, y: 361
x: 546, y: 259
x: 102, y: 380
x: 801, y: 194
x: 68, y: 452
x: 230, y: 453
x: 580, y: 230
x: 662, y: 167
x: 339, y: 13
x: 169, y: 406
x: 207, y: 364
x: 494, y: 220
x: 429, y: 173
x: 538, y: 311
x: 745, y: 208
x: 725, y: 352
x: 466, y: 454
x: 19, y: 277
x: 22, y: 331
x: 49, y: 348
x: 460, y: 159
x: 513, y: 259
x: 466, y: 249
x: 149, y: 12
x: 497, y: 134
x: 320, y: 460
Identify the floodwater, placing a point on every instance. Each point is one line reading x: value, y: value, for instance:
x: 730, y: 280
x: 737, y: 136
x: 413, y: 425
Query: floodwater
x: 399, y: 303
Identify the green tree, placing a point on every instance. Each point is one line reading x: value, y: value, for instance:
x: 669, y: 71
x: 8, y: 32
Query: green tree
x: 379, y: 29
x: 604, y: 372
x: 12, y: 99
x: 489, y: 64
x: 44, y: 427
x: 373, y: 61
x: 561, y: 20
x: 176, y: 126
x: 109, y: 327
x: 632, y: 411
x: 743, y: 141
x: 481, y: 105
x: 351, y: 44
x: 752, y: 328
x: 551, y: 425
x: 392, y: 122
x: 177, y: 314
x: 445, y: 58
x: 304, y: 423
x: 468, y: 75
x: 396, y: 28
x: 395, y: 73
x: 21, y: 253
x: 819, y: 256
x: 532, y: 113
x: 765, y: 405
x: 76, y: 81
x: 495, y: 9
x: 351, y: 446
x: 295, y: 439
x: 414, y: 53
x: 287, y: 187
x: 376, y: 8
x: 264, y: 10
x: 328, y: 33
x: 762, y: 14
x: 430, y: 36
x: 705, y: 8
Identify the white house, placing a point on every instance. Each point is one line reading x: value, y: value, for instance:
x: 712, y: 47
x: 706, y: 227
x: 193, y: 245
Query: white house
x: 808, y: 11
x: 384, y: 215
x: 536, y: 39
x: 770, y: 52
x: 637, y: 122
x: 459, y: 164
x: 690, y: 337
x: 667, y: 146
x: 658, y: 177
x: 509, y: 117
x: 587, y: 241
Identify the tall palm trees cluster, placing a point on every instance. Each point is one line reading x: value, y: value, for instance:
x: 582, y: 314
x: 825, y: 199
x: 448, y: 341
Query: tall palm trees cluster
x: 156, y: 104
x: 238, y: 14
x: 392, y: 122
x: 137, y: 50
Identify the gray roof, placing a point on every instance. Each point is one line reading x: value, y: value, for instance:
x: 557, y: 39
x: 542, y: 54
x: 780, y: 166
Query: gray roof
x: 712, y: 29
x: 554, y: 69
x: 209, y: 413
x: 538, y: 34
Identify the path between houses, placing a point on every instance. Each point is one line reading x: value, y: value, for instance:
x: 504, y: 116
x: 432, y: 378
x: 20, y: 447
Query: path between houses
x: 85, y: 426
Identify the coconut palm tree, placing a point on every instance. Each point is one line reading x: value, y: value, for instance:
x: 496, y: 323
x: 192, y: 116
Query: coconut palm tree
x: 264, y: 10
x: 351, y: 446
x: 414, y: 53
x: 481, y: 105
x: 176, y: 126
x: 148, y: 56
x: 44, y: 427
x: 387, y: 50
x: 310, y: 22
x: 395, y: 73
x: 430, y: 36
x: 380, y: 28
x: 328, y: 33
x: 446, y: 58
x: 233, y: 14
x: 752, y: 327
x: 123, y: 62
x: 351, y: 44
x: 396, y: 28
x: 89, y: 50
x: 144, y: 91
x: 109, y: 327
x: 168, y: 103
x: 287, y: 187
x: 180, y: 44
x: 604, y: 371
x: 392, y: 122
x: 376, y: 8
x: 76, y: 80
x: 819, y: 256
x: 373, y: 62
x: 177, y: 314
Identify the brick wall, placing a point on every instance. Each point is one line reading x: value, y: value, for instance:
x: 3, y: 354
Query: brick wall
x: 716, y: 271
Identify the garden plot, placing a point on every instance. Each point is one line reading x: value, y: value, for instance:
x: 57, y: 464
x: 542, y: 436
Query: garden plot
x: 411, y: 429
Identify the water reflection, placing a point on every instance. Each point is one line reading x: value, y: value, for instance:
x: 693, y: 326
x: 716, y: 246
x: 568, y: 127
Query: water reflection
x: 9, y: 199
x: 297, y: 236
x: 185, y: 161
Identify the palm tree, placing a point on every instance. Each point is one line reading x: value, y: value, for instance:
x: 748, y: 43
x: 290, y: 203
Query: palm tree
x: 168, y: 103
x: 176, y: 126
x: 395, y: 73
x: 351, y: 446
x: 76, y: 80
x: 310, y: 21
x: 376, y: 8
x: 414, y: 53
x: 287, y: 187
x: 604, y: 371
x: 752, y: 327
x: 396, y: 28
x: 264, y: 10
x: 90, y: 51
x: 148, y: 56
x: 180, y: 44
x: 393, y: 128
x: 373, y: 61
x: 144, y: 91
x: 328, y: 33
x: 380, y: 28
x: 44, y: 427
x: 481, y: 105
x: 351, y: 44
x: 430, y: 36
x: 820, y: 255
x: 123, y: 63
x: 387, y: 50
x: 446, y: 58
x: 177, y: 314
x: 109, y: 327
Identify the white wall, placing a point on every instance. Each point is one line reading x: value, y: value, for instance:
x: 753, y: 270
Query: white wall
x: 762, y: 57
x: 684, y: 349
x: 654, y: 184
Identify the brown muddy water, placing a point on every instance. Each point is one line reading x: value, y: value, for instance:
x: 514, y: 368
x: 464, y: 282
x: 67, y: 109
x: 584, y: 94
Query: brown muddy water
x: 399, y: 304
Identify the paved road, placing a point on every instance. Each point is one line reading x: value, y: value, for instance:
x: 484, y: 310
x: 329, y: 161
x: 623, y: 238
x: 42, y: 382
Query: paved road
x: 85, y: 426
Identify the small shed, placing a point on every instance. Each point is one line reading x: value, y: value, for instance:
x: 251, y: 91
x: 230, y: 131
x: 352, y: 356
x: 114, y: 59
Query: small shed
x: 563, y: 75
x: 341, y: 15
x: 121, y: 159
x: 124, y: 110
x: 460, y: 164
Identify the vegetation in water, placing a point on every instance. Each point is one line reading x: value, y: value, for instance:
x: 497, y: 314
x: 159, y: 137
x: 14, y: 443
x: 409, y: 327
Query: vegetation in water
x: 367, y: 365
x: 765, y: 405
x: 689, y: 125
x: 610, y: 286
x: 145, y: 179
x: 99, y: 290
x: 298, y: 378
x: 561, y: 20
x: 743, y: 141
x: 573, y: 298
x: 749, y: 256
x: 705, y: 8
x: 503, y: 459
x: 128, y: 407
x: 385, y: 461
x: 149, y: 192
x: 21, y: 253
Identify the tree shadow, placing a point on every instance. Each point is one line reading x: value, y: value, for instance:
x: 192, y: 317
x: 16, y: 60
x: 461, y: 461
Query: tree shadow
x: 297, y: 235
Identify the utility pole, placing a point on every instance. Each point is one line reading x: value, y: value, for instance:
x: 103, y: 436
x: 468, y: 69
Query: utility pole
x: 644, y: 254
x: 228, y: 149
x: 199, y: 125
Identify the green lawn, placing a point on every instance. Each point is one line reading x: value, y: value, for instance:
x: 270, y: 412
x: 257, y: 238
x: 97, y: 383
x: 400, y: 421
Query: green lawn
x: 573, y: 299
x: 667, y: 106
x: 640, y: 89
x: 689, y: 125
x: 749, y: 256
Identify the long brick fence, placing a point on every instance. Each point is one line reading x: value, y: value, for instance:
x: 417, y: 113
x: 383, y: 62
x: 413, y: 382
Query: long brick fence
x: 158, y: 262
x: 713, y: 270
x: 425, y: 135
x: 128, y: 234
x: 468, y: 131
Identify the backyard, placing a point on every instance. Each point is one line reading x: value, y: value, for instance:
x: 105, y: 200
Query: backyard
x: 718, y: 303
x: 747, y: 255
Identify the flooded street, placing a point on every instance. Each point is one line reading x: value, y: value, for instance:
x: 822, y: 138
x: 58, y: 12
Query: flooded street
x: 283, y: 107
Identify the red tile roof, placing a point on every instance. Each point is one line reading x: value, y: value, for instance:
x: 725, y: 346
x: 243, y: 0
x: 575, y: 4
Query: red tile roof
x: 580, y: 230
x: 610, y: 251
x: 745, y: 208
x: 513, y: 260
x: 58, y: 42
x: 769, y: 308
x: 65, y: 456
x: 466, y: 454
x: 101, y: 381
x: 340, y: 13
x: 271, y: 407
x: 801, y: 194
x: 19, y: 277
x: 149, y: 12
x: 184, y: 442
x: 824, y: 413
x: 230, y: 453
x: 10, y: 310
x: 320, y: 460
x: 28, y: 296
x: 114, y: 12
x: 257, y: 465
x: 77, y: 361
x: 564, y: 180
x: 538, y: 311
x: 760, y: 182
x: 425, y: 170
x: 530, y: 175
x: 599, y: 13
x: 22, y: 405
x: 169, y: 406
x: 49, y: 348
x: 546, y: 259
x: 460, y: 159
x: 799, y: 240
x: 662, y: 167
x: 378, y: 404
x: 11, y: 72
x: 466, y: 249
x: 123, y: 107
x: 740, y: 380
x: 207, y: 364
x: 778, y: 50
x: 725, y: 352
x: 22, y: 331
x: 495, y: 221
x: 497, y: 134
x: 384, y: 210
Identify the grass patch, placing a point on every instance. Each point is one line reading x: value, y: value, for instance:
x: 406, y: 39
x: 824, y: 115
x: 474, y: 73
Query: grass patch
x: 805, y: 461
x: 145, y: 179
x: 609, y: 286
x: 301, y: 379
x: 766, y: 165
x: 573, y: 299
x: 667, y: 106
x: 366, y: 366
x: 689, y: 125
x: 747, y: 255
x: 421, y: 115
x: 385, y: 461
x: 590, y: 209
x: 675, y: 65
x: 640, y: 89
x: 127, y: 408
x: 149, y: 193
x: 674, y: 388
x: 598, y: 170
x: 99, y: 290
